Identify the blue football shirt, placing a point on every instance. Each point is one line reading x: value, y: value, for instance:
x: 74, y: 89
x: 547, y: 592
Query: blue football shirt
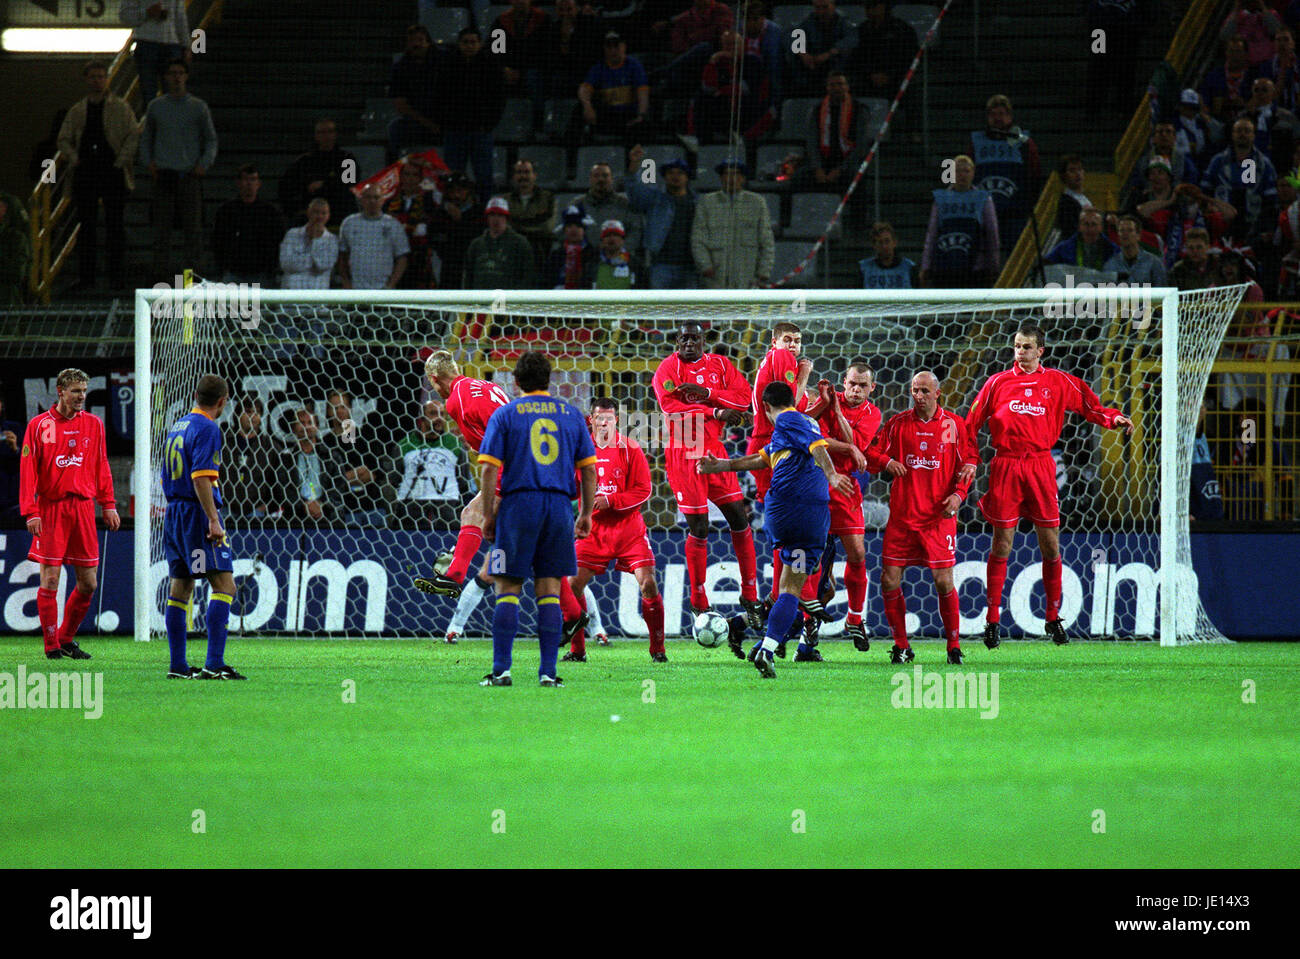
x: 537, y: 441
x: 192, y: 448
x: 796, y: 477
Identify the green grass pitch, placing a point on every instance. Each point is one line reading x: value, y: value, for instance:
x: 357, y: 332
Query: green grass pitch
x: 710, y: 766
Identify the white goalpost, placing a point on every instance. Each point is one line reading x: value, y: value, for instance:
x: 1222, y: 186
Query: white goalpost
x: 291, y: 356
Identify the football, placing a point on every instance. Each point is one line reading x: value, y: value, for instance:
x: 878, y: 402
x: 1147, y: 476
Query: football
x: 710, y: 629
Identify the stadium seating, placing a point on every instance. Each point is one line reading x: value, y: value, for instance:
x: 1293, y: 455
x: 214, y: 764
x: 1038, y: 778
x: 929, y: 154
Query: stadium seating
x: 794, y: 117
x: 549, y: 163
x: 809, y: 213
x: 516, y: 125
x: 370, y: 159
x: 590, y: 155
x: 443, y: 23
x: 919, y: 16
x: 788, y: 255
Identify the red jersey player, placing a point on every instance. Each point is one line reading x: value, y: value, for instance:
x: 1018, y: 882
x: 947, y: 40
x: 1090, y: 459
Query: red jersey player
x: 926, y: 450
x: 698, y: 392
x: 1025, y: 407
x: 618, y: 532
x: 781, y: 365
x: 471, y: 404
x: 63, y: 469
x: 849, y: 421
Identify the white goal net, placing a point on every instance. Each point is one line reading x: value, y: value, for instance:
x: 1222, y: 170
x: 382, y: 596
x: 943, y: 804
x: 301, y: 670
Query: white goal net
x: 342, y: 482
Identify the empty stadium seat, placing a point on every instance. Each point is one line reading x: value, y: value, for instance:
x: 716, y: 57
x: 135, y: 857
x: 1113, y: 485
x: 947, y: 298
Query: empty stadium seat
x: 919, y: 16
x: 810, y: 212
x: 370, y: 159
x: 773, y: 201
x: 556, y: 116
x: 794, y: 116
x: 788, y: 255
x: 516, y: 124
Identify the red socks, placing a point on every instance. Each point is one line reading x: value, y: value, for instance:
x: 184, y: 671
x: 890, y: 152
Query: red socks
x: 571, y: 607
x: 951, y: 613
x: 809, y: 590
x: 697, y: 564
x: 47, y: 609
x: 896, y: 614
x: 652, y: 611
x: 467, y: 544
x: 1052, y: 586
x: 996, y: 576
x: 742, y: 541
x: 74, y: 611
x: 777, y: 566
x: 855, y: 581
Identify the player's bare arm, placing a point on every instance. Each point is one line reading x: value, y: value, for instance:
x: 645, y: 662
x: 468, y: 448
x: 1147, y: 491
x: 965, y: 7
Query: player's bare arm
x: 203, y: 490
x: 737, y: 464
x: 488, y: 480
x: 582, y: 525
x: 840, y: 482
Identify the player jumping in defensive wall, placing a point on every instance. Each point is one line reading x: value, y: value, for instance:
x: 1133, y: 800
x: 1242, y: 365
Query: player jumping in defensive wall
x: 1025, y: 408
x: 63, y: 469
x: 797, y: 518
x: 926, y: 450
x: 618, y: 531
x: 531, y: 448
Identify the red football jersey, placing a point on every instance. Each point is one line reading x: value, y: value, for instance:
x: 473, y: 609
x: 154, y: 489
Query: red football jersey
x: 728, y: 390
x: 779, y: 366
x: 63, y: 457
x: 863, y: 419
x: 1025, y: 411
x: 623, y: 477
x: 934, y: 452
x: 471, y: 405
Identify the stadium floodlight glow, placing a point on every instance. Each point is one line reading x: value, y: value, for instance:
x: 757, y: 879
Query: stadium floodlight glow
x: 1149, y: 352
x: 62, y: 40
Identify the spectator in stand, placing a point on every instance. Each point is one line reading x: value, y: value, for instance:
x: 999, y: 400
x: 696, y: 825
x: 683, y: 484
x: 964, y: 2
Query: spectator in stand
x: 1112, y: 69
x: 887, y: 270
x: 1132, y: 264
x: 694, y: 36
x: 1197, y: 134
x: 532, y: 210
x: 1236, y: 388
x: 10, y: 433
x: 434, y: 473
x: 732, y: 89
x: 1206, y: 500
x: 836, y: 140
x: 1072, y: 196
x: 1276, y: 128
x: 373, y: 251
x: 471, y: 98
x: 571, y: 264
x: 499, y: 258
x: 765, y: 39
x: 254, y: 466
x: 669, y: 216
x: 961, y: 240
x: 828, y: 42
x: 179, y: 146
x: 574, y: 45
x: 1226, y: 88
x: 1164, y: 144
x: 15, y: 250
x: 1234, y: 268
x: 309, y: 252
x: 1169, y: 213
x: 526, y: 55
x: 1254, y: 24
x: 412, y: 86
x: 161, y: 31
x: 884, y: 51
x: 1088, y: 247
x: 306, y: 464
x: 731, y: 238
x: 413, y: 206
x: 601, y: 203
x: 455, y: 225
x: 1284, y: 70
x: 353, y: 465
x: 1197, y: 270
x: 1006, y: 167
x: 614, y: 265
x: 99, y: 136
x: 247, y: 235
x: 1250, y: 188
x: 614, y: 96
x: 319, y: 173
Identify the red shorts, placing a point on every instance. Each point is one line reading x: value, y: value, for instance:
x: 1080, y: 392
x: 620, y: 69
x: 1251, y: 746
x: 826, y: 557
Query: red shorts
x: 624, y: 542
x: 1022, y: 487
x: 762, y: 478
x: 694, y: 490
x: 846, y: 513
x: 67, y: 533
x: 934, y: 546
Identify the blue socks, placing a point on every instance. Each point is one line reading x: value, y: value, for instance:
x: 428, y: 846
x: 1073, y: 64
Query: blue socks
x: 505, y: 624
x: 218, y: 616
x: 782, y: 616
x: 550, y: 632
x: 174, y: 618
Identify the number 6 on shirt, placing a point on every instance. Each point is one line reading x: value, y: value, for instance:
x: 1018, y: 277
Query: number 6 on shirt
x: 542, y: 441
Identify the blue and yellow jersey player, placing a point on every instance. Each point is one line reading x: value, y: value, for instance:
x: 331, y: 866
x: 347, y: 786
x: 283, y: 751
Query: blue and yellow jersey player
x: 193, y: 540
x: 797, y: 513
x: 534, y: 444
